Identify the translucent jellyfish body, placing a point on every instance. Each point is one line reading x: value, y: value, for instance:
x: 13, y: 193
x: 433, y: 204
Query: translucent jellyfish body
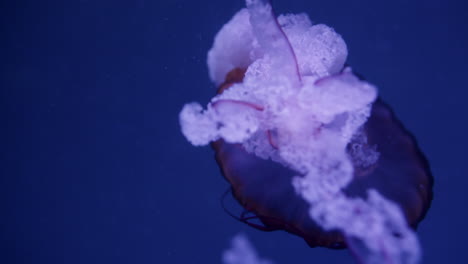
x: 307, y: 146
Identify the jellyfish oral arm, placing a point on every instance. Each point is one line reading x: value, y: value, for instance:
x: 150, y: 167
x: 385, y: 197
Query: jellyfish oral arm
x: 273, y: 40
x: 375, y: 229
x: 230, y: 119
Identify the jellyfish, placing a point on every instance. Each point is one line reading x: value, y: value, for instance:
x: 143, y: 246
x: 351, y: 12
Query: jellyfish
x: 306, y: 144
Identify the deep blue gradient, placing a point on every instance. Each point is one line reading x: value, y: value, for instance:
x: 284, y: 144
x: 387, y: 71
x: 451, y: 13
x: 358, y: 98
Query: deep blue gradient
x: 94, y: 168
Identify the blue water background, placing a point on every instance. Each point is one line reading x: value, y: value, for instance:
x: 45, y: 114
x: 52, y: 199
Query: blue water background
x: 94, y: 168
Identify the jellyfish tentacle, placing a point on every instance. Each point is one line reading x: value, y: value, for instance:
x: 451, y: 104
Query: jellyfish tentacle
x: 271, y: 139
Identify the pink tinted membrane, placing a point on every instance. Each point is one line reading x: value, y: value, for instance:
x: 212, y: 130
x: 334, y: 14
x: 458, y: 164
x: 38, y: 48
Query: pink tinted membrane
x: 253, y: 106
x: 272, y: 139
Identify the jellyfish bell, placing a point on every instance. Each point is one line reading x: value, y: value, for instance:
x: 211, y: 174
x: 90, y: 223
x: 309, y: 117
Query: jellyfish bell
x: 307, y: 146
x: 401, y: 172
x: 385, y: 157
